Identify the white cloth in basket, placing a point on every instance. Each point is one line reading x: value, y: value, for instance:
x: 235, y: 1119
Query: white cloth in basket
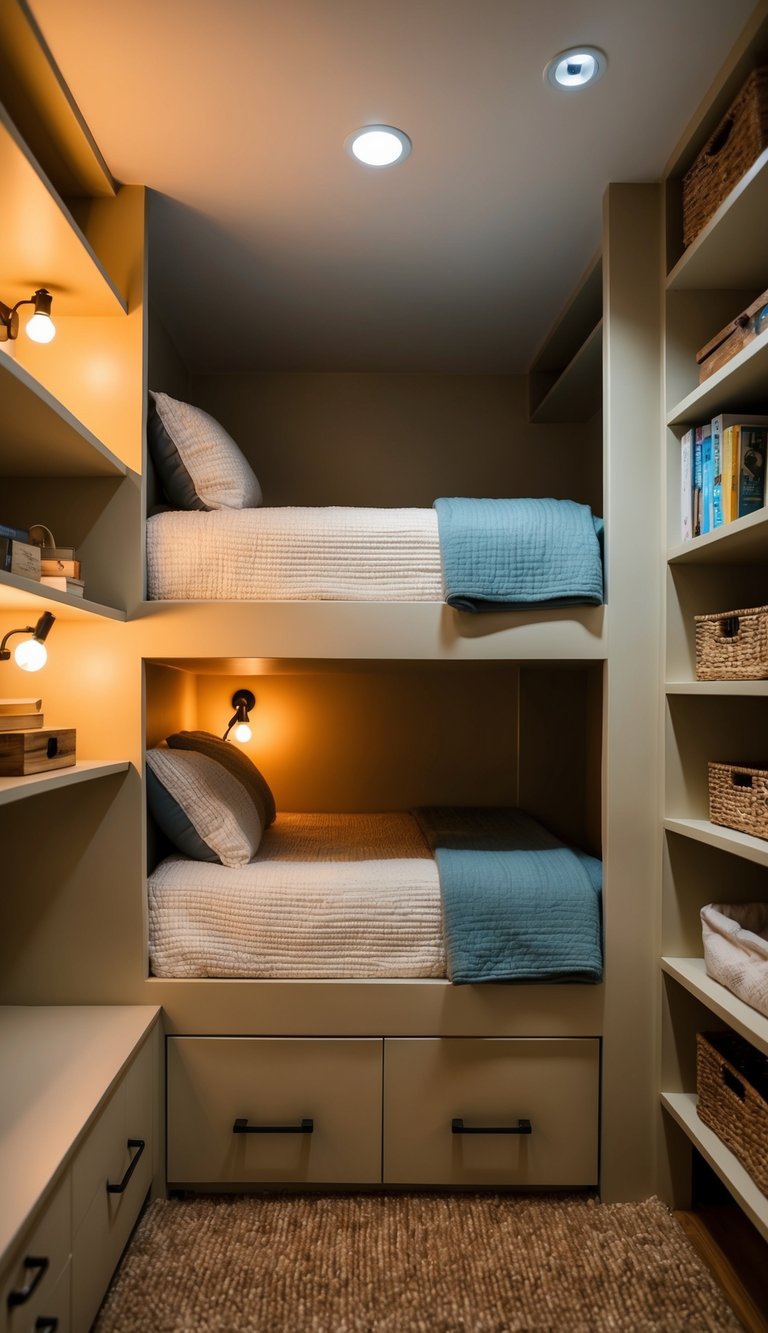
x: 736, y: 949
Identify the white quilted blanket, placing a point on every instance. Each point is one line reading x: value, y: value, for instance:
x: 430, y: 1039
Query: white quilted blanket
x: 295, y: 554
x: 359, y: 898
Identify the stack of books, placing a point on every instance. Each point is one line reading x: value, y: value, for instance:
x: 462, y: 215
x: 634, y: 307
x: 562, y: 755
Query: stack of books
x: 20, y: 714
x: 722, y: 471
x: 55, y: 566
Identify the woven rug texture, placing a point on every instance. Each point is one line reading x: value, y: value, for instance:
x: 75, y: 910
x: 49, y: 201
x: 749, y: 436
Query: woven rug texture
x: 410, y: 1264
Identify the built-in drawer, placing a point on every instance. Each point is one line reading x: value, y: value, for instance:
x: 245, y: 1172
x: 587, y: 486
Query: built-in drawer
x: 260, y: 1109
x: 35, y: 1283
x: 487, y: 1111
x: 111, y: 1175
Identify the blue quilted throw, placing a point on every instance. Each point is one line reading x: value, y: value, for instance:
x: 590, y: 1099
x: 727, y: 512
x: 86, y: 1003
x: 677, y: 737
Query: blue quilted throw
x: 518, y: 905
x: 506, y: 555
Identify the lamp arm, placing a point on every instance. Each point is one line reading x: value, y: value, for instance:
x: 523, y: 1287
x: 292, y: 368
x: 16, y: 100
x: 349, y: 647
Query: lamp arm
x: 232, y: 722
x: 5, y: 652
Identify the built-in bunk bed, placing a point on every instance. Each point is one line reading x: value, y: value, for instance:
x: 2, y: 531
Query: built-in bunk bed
x: 472, y: 894
x: 215, y: 540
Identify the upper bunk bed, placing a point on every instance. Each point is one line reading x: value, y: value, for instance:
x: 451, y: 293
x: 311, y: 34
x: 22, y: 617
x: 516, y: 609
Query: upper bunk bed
x: 215, y: 539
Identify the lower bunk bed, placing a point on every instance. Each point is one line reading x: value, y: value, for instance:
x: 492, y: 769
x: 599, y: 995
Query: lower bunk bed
x: 469, y: 894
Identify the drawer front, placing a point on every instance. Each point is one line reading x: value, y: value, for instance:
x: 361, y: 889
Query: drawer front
x: 279, y: 1083
x: 40, y: 1263
x: 492, y: 1084
x: 111, y: 1176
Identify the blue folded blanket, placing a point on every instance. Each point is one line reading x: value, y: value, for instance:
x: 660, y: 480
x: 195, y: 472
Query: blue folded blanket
x: 502, y: 555
x: 518, y: 905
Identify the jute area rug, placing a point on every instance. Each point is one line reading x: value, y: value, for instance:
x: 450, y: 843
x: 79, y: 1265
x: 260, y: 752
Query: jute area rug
x: 410, y: 1264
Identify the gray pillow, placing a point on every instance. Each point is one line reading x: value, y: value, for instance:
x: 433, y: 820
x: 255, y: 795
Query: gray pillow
x: 238, y: 763
x: 202, y: 807
x: 198, y: 464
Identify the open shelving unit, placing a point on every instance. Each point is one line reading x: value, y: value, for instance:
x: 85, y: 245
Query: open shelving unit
x: 37, y: 784
x: 719, y: 273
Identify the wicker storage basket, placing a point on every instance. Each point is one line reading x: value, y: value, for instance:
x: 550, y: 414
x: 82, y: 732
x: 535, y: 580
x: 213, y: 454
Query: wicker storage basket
x: 732, y: 1087
x: 738, y: 140
x: 738, y: 798
x: 732, y: 646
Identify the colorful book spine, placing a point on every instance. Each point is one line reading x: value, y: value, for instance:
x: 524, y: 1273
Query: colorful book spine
x: 697, y: 483
x: 717, y: 472
x: 686, y: 486
x: 751, y: 464
x: 730, y: 481
x: 704, y: 433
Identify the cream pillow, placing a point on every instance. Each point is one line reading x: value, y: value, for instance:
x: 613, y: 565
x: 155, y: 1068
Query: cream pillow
x: 202, y: 808
x: 198, y: 464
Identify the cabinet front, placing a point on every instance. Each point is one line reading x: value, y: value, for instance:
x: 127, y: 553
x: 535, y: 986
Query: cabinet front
x: 487, y: 1112
x: 258, y: 1110
x: 111, y: 1175
x: 34, y: 1288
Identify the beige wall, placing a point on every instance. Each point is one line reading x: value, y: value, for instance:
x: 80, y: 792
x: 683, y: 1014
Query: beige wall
x: 396, y: 439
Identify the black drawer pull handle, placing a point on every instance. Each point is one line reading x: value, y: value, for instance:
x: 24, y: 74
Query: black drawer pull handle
x: 140, y: 1145
x: 242, y: 1127
x: 40, y: 1267
x: 46, y: 1324
x: 522, y: 1127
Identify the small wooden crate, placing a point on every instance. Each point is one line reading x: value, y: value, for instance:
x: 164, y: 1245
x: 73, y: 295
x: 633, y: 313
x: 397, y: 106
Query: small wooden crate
x: 738, y: 140
x: 741, y: 331
x: 732, y: 645
x: 24, y: 752
x: 732, y: 1088
x: 738, y: 798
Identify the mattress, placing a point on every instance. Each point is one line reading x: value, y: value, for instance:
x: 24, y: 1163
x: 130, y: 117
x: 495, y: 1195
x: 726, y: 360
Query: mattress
x: 327, y: 896
x: 295, y: 554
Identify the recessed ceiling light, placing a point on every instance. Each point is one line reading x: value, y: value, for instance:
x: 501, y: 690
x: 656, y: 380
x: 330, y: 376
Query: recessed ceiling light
x: 576, y: 67
x: 379, y: 145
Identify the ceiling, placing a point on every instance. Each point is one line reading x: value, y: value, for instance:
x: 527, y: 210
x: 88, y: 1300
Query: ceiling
x: 272, y: 249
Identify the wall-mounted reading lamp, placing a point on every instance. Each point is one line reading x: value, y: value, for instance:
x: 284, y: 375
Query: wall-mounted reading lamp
x: 242, y: 702
x: 30, y: 654
x: 41, y: 328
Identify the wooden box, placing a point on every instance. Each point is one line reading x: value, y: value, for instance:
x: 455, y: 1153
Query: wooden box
x: 738, y: 334
x: 23, y: 752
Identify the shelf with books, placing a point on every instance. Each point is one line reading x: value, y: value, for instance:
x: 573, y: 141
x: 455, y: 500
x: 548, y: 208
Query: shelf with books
x: 56, y: 251
x: 682, y: 1107
x: 744, y: 541
x: 36, y: 784
x: 20, y: 594
x: 692, y: 974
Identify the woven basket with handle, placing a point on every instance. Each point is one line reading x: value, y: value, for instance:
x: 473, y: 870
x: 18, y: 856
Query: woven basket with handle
x: 738, y: 140
x: 732, y: 645
x: 738, y: 798
x: 732, y: 1088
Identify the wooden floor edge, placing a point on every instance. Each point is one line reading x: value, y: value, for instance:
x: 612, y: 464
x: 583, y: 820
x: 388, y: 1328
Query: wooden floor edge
x: 725, y: 1274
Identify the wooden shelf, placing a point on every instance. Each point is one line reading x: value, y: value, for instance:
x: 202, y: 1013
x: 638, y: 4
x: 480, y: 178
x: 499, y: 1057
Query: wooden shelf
x: 578, y: 392
x: 36, y: 784
x: 27, y: 595
x: 731, y: 252
x: 54, y: 253
x: 692, y: 974
x: 745, y: 541
x: 39, y: 437
x: 724, y: 839
x: 736, y: 387
x: 682, y: 1107
x: 730, y: 688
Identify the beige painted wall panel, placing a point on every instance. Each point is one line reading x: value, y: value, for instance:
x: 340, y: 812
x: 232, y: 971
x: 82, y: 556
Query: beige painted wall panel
x: 358, y: 741
x: 396, y: 439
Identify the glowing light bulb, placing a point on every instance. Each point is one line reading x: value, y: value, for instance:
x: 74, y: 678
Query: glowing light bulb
x: 379, y: 145
x: 30, y: 654
x: 242, y: 732
x: 41, y: 329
